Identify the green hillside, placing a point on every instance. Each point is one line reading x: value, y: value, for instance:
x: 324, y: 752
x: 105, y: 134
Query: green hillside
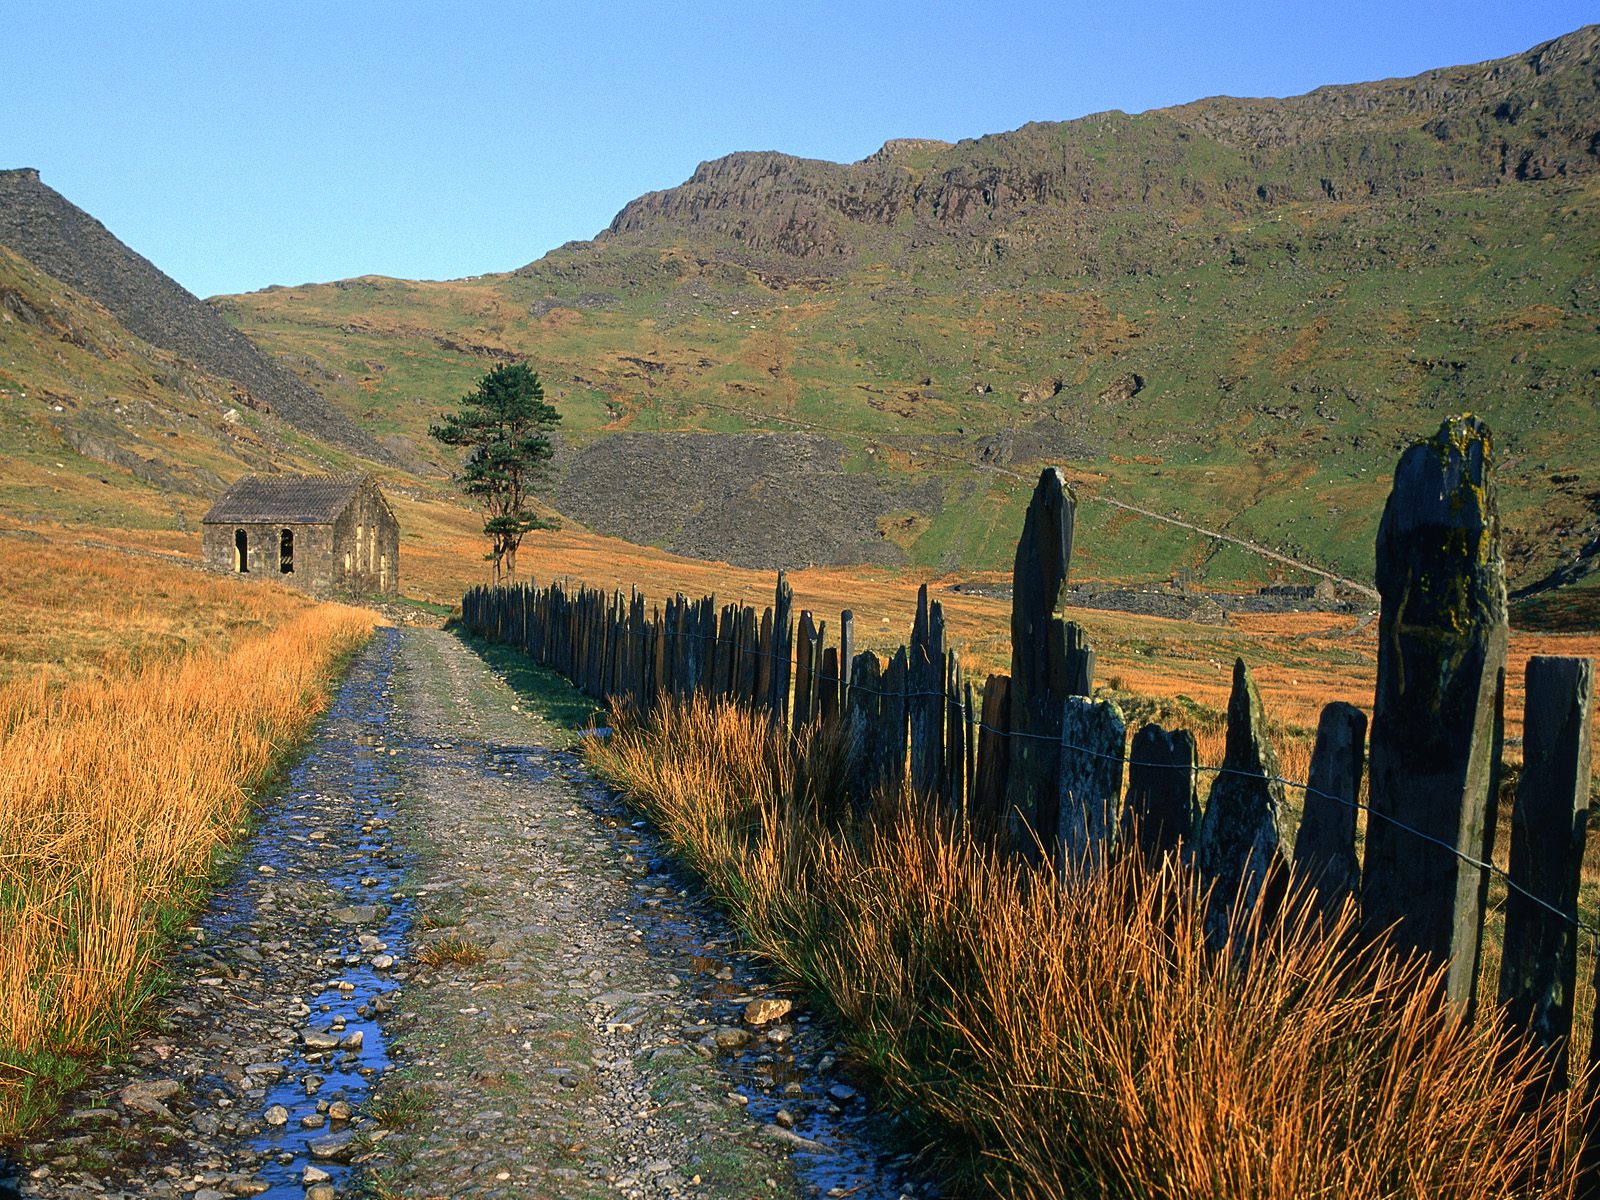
x: 1233, y: 312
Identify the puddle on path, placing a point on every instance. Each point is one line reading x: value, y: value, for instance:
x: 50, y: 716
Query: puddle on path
x: 351, y: 764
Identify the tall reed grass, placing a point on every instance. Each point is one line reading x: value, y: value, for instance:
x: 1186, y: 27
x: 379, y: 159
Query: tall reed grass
x: 115, y: 794
x: 1083, y: 1040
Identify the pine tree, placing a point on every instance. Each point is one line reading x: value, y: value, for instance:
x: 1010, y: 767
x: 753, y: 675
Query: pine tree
x: 505, y: 425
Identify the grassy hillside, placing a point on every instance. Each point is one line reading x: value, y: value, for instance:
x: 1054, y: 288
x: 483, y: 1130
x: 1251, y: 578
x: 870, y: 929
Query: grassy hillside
x: 1233, y: 312
x: 1263, y: 387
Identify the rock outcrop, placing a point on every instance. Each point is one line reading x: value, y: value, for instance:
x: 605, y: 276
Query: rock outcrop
x: 1526, y: 117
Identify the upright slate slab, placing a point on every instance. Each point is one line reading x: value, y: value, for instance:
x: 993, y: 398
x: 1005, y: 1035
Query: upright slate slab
x: 1244, y: 839
x: 958, y: 702
x: 828, y: 686
x: 1549, y: 821
x: 847, y: 655
x: 1093, y: 737
x: 986, y: 808
x: 925, y: 703
x: 862, y: 717
x: 762, y: 696
x: 806, y: 645
x: 1162, y: 809
x: 892, y: 724
x: 782, y: 651
x: 749, y: 655
x: 1039, y: 676
x: 1325, y: 848
x: 1436, y: 721
x: 1079, y: 661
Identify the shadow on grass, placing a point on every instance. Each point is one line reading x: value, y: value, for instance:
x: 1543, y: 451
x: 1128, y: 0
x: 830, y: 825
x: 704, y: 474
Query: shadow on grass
x: 556, y: 700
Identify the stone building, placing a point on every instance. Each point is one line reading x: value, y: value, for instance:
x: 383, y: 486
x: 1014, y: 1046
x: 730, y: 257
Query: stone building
x: 322, y: 533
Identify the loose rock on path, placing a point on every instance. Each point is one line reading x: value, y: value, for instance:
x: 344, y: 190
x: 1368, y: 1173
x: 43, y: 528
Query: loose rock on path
x: 451, y: 964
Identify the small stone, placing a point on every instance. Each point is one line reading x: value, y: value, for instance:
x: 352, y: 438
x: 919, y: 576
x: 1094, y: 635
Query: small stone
x: 312, y: 1121
x: 784, y: 1117
x: 339, y: 1110
x: 843, y: 1093
x: 382, y: 962
x: 314, y: 1175
x: 335, y: 1147
x: 729, y: 1038
x: 320, y: 1191
x: 765, y: 1011
x: 320, y: 1039
x: 276, y: 1115
x: 790, y: 1138
x: 352, y: 1040
x: 359, y: 914
x: 146, y: 1096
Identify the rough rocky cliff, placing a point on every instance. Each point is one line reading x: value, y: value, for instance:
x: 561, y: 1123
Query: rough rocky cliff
x: 65, y: 242
x: 1530, y: 116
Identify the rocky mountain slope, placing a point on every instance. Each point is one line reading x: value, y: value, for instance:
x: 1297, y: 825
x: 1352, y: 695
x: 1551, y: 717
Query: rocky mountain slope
x: 1528, y: 117
x: 1231, y: 312
x: 42, y: 227
x: 1228, y: 314
x: 99, y: 426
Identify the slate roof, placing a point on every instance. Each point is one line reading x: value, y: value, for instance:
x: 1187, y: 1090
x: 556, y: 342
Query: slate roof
x: 285, y: 499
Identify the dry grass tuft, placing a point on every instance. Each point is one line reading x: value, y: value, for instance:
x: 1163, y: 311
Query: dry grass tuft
x: 1082, y: 1039
x: 455, y: 950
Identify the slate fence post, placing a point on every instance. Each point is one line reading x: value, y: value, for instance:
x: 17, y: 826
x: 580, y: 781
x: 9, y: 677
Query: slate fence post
x: 1549, y: 822
x: 1436, y: 722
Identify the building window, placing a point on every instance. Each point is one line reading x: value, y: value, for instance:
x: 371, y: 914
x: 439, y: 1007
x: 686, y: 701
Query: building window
x: 383, y: 572
x: 286, y: 552
x: 241, y: 551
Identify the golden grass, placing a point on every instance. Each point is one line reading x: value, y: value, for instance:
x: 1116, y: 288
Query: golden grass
x: 1083, y: 1040
x: 118, y: 788
x: 78, y: 612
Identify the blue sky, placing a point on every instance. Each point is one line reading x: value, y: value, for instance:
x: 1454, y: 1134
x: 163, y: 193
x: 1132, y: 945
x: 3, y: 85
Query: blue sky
x: 238, y: 144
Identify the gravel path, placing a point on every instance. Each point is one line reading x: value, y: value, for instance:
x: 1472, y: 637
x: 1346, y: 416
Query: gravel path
x: 450, y: 964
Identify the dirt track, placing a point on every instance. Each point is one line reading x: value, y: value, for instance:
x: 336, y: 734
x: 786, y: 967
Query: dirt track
x: 450, y: 964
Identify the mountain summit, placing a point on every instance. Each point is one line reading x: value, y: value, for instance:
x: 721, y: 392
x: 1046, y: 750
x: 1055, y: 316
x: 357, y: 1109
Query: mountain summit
x: 1528, y: 117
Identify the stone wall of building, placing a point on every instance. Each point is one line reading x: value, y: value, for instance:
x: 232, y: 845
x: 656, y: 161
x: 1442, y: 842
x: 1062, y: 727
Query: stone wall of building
x: 366, y: 543
x: 308, y: 563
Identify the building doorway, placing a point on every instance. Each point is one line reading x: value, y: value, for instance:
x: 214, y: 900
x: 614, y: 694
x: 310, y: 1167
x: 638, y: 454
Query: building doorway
x: 286, y: 552
x: 241, y: 551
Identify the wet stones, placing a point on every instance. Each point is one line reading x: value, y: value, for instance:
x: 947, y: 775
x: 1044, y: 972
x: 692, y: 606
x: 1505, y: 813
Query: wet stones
x: 146, y: 1096
x: 218, y: 1104
x: 762, y: 1012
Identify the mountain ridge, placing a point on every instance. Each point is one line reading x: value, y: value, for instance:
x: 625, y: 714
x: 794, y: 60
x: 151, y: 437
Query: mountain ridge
x: 46, y: 229
x: 1518, y: 117
x: 1234, y: 330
